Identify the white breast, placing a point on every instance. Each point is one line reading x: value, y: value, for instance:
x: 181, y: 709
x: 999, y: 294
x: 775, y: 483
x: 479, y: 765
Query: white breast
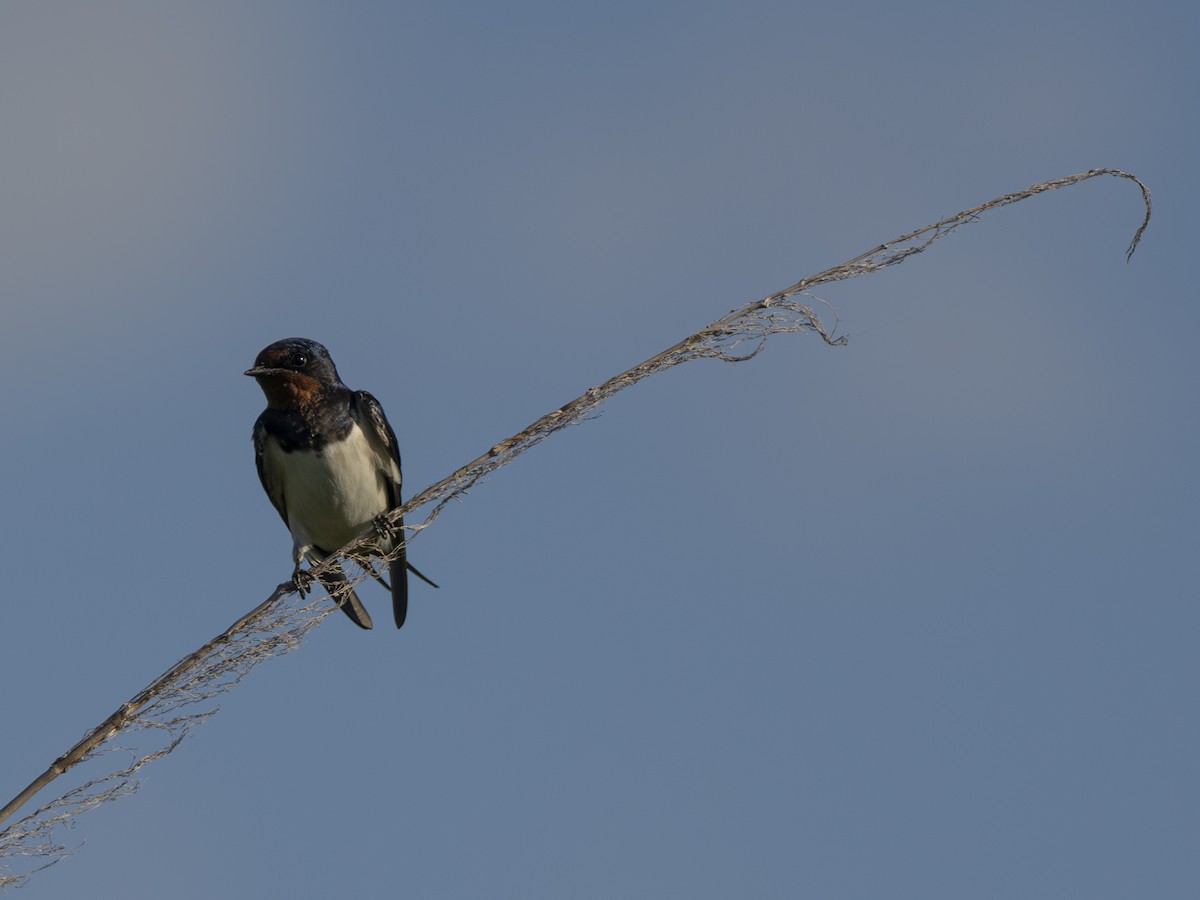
x: 331, y: 496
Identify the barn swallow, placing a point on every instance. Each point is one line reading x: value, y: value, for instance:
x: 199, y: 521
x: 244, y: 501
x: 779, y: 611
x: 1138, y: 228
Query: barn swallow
x: 329, y: 462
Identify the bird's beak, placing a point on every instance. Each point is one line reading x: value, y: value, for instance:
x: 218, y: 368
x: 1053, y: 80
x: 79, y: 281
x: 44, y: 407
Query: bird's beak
x: 259, y: 370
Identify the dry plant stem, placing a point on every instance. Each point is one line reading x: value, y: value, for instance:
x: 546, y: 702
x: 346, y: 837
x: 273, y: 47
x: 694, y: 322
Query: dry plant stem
x: 754, y: 322
x: 166, y: 708
x: 279, y: 623
x: 114, y: 723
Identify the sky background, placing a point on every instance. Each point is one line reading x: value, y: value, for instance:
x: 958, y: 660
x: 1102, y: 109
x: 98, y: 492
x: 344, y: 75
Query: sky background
x: 914, y: 618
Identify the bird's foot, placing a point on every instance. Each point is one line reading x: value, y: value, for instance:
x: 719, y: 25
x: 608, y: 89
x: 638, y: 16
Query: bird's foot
x: 383, y: 528
x: 302, y: 580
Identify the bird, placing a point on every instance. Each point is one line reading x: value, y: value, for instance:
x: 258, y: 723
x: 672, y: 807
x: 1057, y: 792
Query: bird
x: 330, y: 465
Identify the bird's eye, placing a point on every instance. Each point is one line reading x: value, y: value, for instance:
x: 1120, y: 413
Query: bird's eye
x: 299, y: 360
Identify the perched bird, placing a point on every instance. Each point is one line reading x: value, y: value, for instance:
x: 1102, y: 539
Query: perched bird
x: 329, y: 463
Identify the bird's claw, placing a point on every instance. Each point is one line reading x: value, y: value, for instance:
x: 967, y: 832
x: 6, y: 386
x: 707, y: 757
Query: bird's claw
x: 302, y: 580
x: 383, y: 528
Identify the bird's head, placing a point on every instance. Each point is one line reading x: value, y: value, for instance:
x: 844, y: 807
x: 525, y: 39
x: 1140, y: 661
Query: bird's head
x: 294, y: 372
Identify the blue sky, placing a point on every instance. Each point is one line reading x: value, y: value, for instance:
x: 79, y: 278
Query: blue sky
x: 911, y: 618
